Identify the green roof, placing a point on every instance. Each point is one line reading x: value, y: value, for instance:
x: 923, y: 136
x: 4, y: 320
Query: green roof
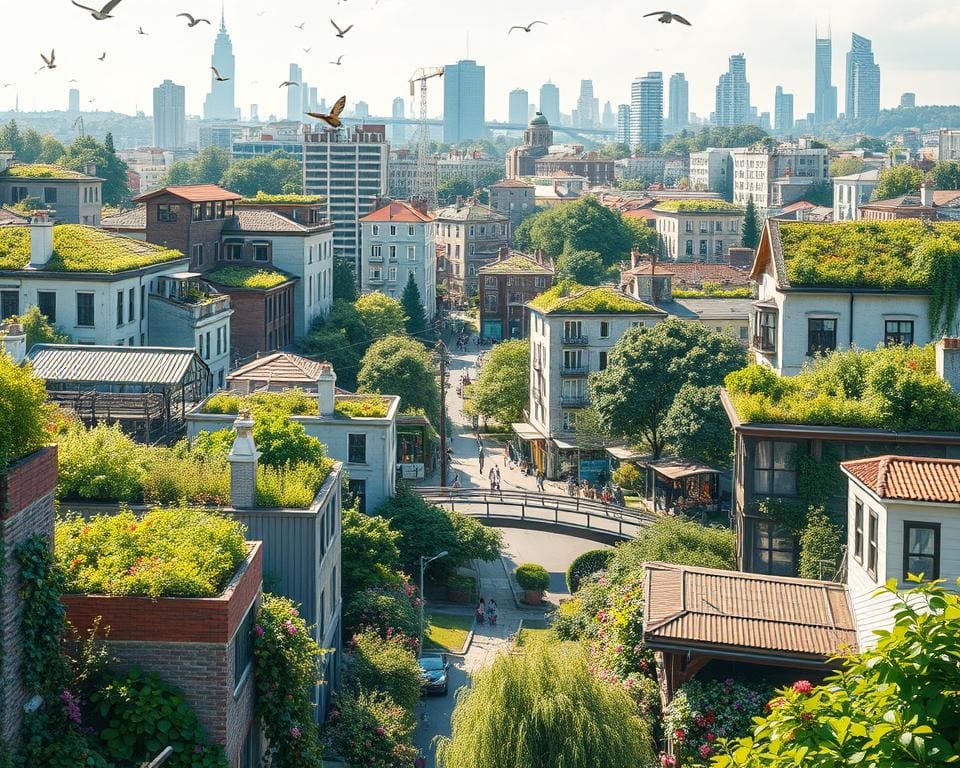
x: 42, y: 171
x: 571, y: 297
x: 248, y: 277
x: 263, y: 197
x: 856, y: 254
x: 77, y: 248
x: 698, y: 206
x: 516, y: 263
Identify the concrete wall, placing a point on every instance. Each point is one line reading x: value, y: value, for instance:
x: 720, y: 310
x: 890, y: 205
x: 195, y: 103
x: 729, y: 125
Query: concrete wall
x: 672, y: 230
x: 173, y: 325
x: 423, y: 265
x: 78, y: 201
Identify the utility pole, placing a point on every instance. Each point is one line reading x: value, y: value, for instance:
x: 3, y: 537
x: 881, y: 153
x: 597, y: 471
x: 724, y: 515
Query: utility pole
x: 442, y: 351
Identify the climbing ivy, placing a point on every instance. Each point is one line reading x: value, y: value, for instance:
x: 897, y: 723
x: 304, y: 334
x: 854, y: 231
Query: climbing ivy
x: 818, y: 481
x: 938, y: 261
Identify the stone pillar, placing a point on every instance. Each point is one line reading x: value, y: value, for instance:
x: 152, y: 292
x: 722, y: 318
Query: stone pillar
x: 948, y: 361
x: 326, y: 390
x: 243, y: 458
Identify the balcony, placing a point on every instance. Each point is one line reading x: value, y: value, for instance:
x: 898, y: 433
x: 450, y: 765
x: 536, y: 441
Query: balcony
x: 575, y: 370
x: 575, y: 341
x: 376, y: 280
x: 763, y: 345
x: 575, y: 400
x: 375, y: 259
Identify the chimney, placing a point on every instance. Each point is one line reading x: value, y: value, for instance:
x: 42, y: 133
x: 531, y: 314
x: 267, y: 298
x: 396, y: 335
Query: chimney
x: 634, y: 257
x: 326, y: 390
x: 948, y: 361
x: 41, y: 240
x: 459, y: 202
x: 539, y: 255
x: 90, y: 169
x: 243, y: 458
x: 926, y: 194
x: 503, y: 254
x: 13, y: 341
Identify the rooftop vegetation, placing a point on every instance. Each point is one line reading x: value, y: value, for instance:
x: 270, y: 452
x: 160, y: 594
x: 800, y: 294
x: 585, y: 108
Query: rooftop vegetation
x: 177, y: 552
x: 78, y: 248
x: 697, y: 206
x: 711, y: 290
x: 23, y: 413
x: 513, y: 264
x: 41, y: 171
x: 568, y: 296
x: 373, y: 407
x: 248, y: 277
x: 291, y: 402
x: 263, y: 197
x: 894, y: 388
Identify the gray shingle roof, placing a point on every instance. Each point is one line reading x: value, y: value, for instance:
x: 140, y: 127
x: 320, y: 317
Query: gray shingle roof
x: 114, y: 365
x: 135, y: 218
x: 470, y: 212
x: 263, y: 220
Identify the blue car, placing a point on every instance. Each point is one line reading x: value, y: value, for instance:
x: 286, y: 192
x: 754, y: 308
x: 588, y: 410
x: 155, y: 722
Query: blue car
x: 433, y: 675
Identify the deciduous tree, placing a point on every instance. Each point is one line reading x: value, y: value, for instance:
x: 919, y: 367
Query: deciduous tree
x: 401, y: 366
x: 501, y: 392
x: 381, y: 314
x: 86, y: 150
x: 277, y: 173
x: 696, y: 426
x: 584, y: 267
x: 899, y: 180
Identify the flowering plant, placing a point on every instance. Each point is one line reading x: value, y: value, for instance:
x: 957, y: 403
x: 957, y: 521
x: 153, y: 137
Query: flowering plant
x: 388, y: 610
x: 371, y: 729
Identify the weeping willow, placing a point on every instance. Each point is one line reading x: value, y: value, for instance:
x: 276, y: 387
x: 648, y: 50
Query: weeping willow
x: 544, y: 709
x: 938, y: 260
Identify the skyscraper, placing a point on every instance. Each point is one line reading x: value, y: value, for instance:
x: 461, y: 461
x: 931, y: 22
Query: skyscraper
x: 464, y: 113
x: 782, y: 111
x: 169, y: 115
x: 825, y: 92
x: 646, y: 112
x: 587, y: 106
x: 733, y: 94
x: 294, y: 93
x: 863, y: 80
x: 517, y: 113
x: 609, y: 120
x: 623, y: 124
x: 908, y: 100
x: 679, y: 114
x: 550, y: 103
x: 74, y: 100
x: 220, y: 103
x: 398, y: 134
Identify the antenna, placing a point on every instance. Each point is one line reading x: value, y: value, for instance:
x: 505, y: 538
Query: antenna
x: 468, y: 43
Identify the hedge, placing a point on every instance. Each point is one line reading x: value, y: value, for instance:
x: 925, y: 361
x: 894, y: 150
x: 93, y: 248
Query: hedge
x: 586, y: 565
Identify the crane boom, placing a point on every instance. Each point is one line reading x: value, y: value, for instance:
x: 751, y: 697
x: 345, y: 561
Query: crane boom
x: 425, y: 182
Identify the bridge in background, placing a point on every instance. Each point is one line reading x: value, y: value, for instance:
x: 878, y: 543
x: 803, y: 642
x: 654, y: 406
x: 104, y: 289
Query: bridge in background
x: 571, y: 514
x: 580, y: 135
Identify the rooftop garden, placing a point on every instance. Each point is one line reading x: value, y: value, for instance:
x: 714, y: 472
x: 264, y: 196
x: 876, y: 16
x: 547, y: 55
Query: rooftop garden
x: 23, y: 412
x: 264, y: 198
x: 568, y: 296
x: 41, y: 171
x: 372, y: 407
x: 77, y: 248
x: 175, y: 552
x: 698, y: 206
x: 290, y: 402
x: 712, y: 290
x: 513, y: 264
x: 894, y: 388
x: 248, y: 277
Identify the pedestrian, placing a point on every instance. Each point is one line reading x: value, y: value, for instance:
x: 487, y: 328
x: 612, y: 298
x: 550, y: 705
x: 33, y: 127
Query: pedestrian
x: 456, y: 480
x: 540, y: 481
x: 570, y: 487
x: 497, y: 470
x: 506, y: 456
x: 481, y: 611
x: 492, y: 611
x: 481, y: 459
x: 493, y: 478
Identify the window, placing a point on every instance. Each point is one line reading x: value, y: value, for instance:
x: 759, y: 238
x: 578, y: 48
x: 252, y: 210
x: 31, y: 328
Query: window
x: 490, y: 302
x: 872, y: 544
x: 772, y: 549
x: 773, y: 472
x: 704, y: 227
x: 9, y: 304
x: 689, y: 248
x: 357, y: 449
x: 688, y: 227
x: 49, y: 194
x: 250, y: 753
x: 572, y: 329
x: 197, y: 212
x: 411, y: 253
x: 603, y: 361
x: 858, y: 530
x: 85, y: 316
x: 376, y: 229
x: 734, y: 226
x: 131, y: 304
x: 766, y: 340
x: 704, y: 247
x: 898, y: 332
x: 376, y: 252
x: 921, y: 550
x: 392, y: 274
x: 166, y: 212
x: 209, y: 213
x: 357, y: 491
x: 569, y: 421
x: 143, y: 304
x: 392, y: 252
x: 410, y: 230
x: 47, y: 304
x: 119, y: 308
x: 473, y: 230
x: 539, y: 282
x: 261, y: 252
x: 243, y: 647
x: 821, y: 335
x: 604, y: 329
x: 718, y: 247
x: 198, y: 253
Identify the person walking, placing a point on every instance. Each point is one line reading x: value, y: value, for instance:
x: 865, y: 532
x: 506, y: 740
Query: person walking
x: 493, y: 478
x: 506, y: 455
x: 481, y: 459
x: 456, y: 481
x: 492, y: 612
x: 497, y: 469
x: 570, y: 487
x: 481, y: 611
x: 540, y: 481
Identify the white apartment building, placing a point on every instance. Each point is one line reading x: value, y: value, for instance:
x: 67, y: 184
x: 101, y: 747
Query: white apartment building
x: 698, y: 229
x: 150, y: 165
x: 712, y: 171
x: 398, y: 241
x: 757, y: 170
x: 850, y: 192
x: 572, y: 330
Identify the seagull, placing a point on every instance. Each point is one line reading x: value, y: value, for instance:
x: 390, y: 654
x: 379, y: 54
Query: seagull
x: 104, y: 57
x: 5, y: 85
x: 288, y: 83
x: 192, y: 22
x: 49, y: 63
x: 260, y: 13
x: 338, y: 61
x: 527, y: 28
x: 340, y: 32
x: 301, y: 25
x: 333, y: 119
x: 217, y: 76
x: 103, y: 13
x: 307, y: 50
x: 666, y: 17
x: 73, y: 80
x: 140, y: 31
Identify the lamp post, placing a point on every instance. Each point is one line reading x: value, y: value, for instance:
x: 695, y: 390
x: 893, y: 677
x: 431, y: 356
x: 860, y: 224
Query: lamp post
x: 424, y: 562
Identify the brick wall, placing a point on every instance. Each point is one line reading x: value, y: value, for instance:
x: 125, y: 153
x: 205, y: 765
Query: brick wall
x: 26, y: 509
x: 184, y: 233
x: 250, y: 331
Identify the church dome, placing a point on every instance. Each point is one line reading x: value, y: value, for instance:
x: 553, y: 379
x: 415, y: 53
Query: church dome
x: 539, y: 119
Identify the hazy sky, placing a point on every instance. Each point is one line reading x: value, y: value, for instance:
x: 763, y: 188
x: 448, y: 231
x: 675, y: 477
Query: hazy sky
x: 603, y: 40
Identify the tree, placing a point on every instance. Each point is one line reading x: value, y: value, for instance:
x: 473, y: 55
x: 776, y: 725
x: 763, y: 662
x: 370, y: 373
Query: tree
x: 401, y: 366
x: 387, y: 666
x: 368, y: 551
x: 584, y: 225
x: 945, y: 175
x: 448, y: 191
x: 614, y: 150
x: 846, y: 166
x: 277, y: 173
x: 820, y: 193
x: 38, y: 328
x: 696, y: 426
x: 412, y: 306
x: 899, y: 180
x: 10, y: 138
x: 584, y: 267
x: 871, y: 144
x: 677, y: 541
x: 86, y: 150
x: 208, y: 167
x: 642, y: 235
x: 51, y: 151
x: 23, y: 413
x: 632, y: 185
x: 501, y: 392
x: 821, y: 547
x: 737, y: 136
x: 344, y: 280
x: 341, y: 339
x: 381, y: 314
x: 30, y: 146
x: 649, y: 366
x: 751, y: 225
x: 544, y: 708
x: 885, y: 706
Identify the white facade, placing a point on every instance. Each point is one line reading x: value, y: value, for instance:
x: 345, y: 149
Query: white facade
x: 698, y: 235
x: 712, y: 171
x: 850, y: 192
x: 392, y: 251
x: 755, y: 171
x: 309, y: 257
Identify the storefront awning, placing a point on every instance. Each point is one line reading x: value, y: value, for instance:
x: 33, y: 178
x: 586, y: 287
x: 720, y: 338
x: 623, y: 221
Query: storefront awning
x: 623, y: 453
x: 675, y: 469
x: 526, y: 431
x: 563, y: 445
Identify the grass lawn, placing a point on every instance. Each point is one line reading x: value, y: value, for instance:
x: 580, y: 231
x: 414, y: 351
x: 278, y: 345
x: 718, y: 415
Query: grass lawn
x: 446, y: 631
x: 534, y: 635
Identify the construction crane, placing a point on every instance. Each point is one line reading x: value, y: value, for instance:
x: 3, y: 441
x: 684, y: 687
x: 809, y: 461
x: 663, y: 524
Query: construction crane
x: 424, y: 183
x: 78, y: 124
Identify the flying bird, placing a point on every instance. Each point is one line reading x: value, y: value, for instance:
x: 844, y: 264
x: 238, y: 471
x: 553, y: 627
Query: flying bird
x: 49, y: 63
x: 307, y: 50
x: 103, y: 13
x: 527, y: 28
x: 340, y: 32
x: 192, y: 22
x: 140, y: 31
x: 217, y: 76
x: 333, y: 119
x: 338, y: 61
x: 667, y: 17
x: 301, y: 25
x: 5, y: 85
x: 104, y: 57
x: 73, y: 80
x: 260, y: 13
x: 288, y: 83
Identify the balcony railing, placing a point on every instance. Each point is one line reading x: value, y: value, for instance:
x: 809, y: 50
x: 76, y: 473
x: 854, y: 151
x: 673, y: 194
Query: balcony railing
x: 376, y: 280
x: 760, y: 344
x: 574, y: 401
x: 575, y: 341
x: 575, y: 370
x: 375, y: 259
x: 199, y: 307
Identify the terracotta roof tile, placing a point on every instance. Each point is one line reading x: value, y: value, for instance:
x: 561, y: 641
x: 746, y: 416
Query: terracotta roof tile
x: 909, y: 478
x: 691, y: 273
x: 194, y: 193
x: 397, y: 210
x: 135, y: 218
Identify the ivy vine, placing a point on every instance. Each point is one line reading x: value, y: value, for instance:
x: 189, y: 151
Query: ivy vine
x: 938, y: 261
x: 818, y: 481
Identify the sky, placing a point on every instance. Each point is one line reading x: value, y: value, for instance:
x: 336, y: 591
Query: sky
x: 607, y: 41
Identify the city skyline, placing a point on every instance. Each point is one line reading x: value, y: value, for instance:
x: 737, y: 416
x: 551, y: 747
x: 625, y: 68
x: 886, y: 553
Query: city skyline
x: 265, y: 46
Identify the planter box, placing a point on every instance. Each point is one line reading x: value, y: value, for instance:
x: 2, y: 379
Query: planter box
x: 533, y: 596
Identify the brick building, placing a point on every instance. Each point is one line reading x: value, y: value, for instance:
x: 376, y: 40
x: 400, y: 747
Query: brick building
x: 469, y: 235
x: 506, y: 286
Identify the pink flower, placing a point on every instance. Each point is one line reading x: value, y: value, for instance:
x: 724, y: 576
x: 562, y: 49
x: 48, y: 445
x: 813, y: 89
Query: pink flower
x: 668, y: 761
x: 710, y: 736
x: 295, y: 732
x: 803, y: 686
x: 259, y: 630
x: 291, y: 628
x: 679, y: 735
x: 705, y: 750
x: 380, y: 731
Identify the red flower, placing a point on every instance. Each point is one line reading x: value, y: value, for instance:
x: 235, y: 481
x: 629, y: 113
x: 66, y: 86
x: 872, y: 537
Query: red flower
x: 710, y: 736
x: 679, y: 734
x: 806, y: 717
x: 803, y: 686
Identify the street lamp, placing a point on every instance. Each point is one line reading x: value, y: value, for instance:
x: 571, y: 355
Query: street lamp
x: 424, y: 562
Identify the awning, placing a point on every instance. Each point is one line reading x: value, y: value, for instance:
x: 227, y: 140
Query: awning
x: 623, y: 453
x: 185, y: 275
x: 526, y: 431
x: 675, y: 468
x: 563, y: 445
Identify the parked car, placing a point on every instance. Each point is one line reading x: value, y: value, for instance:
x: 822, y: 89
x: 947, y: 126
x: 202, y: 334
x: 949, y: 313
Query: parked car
x: 433, y: 675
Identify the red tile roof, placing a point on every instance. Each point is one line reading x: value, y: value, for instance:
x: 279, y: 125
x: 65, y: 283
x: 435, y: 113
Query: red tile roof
x: 195, y: 193
x: 511, y: 183
x: 909, y: 478
x: 397, y: 210
x: 646, y: 214
x: 696, y: 273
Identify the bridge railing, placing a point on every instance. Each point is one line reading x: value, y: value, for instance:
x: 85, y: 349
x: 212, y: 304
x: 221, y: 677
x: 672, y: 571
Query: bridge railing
x: 563, y: 511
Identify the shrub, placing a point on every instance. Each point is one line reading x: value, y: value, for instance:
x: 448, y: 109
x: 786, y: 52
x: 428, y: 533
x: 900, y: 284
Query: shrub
x: 282, y: 442
x: 586, y: 565
x: 372, y: 407
x: 177, y: 552
x: 100, y: 464
x: 458, y: 583
x: 629, y: 477
x: 23, y: 413
x: 821, y: 547
x: 368, y: 552
x: 174, y: 475
x: 223, y: 402
x: 677, y: 541
x: 385, y: 666
x: 532, y: 577
x: 250, y: 277
x: 371, y: 729
x: 291, y: 487
x: 213, y: 445
x: 387, y: 610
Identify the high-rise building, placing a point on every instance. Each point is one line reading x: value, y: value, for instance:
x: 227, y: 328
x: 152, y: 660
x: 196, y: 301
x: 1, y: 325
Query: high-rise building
x: 398, y: 133
x: 782, y: 111
x: 646, y: 112
x: 908, y: 100
x: 679, y: 113
x: 733, y: 94
x: 254, y: 113
x: 588, y: 107
x: 361, y: 110
x: 550, y: 103
x: 825, y: 92
x: 74, y: 100
x: 519, y: 101
x: 464, y: 114
x: 609, y: 120
x: 863, y: 80
x: 295, y: 94
x: 313, y: 104
x: 623, y: 124
x: 220, y: 103
x: 169, y: 115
